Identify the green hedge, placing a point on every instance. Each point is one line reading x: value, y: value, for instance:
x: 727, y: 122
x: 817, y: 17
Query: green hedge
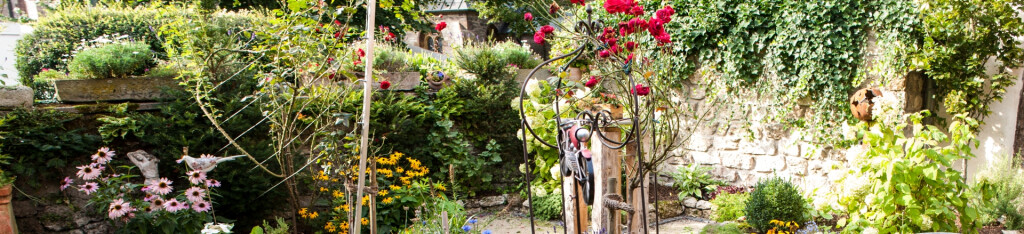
x: 58, y: 34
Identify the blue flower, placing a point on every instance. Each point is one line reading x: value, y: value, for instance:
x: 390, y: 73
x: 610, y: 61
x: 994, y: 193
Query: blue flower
x: 486, y: 232
x: 466, y: 228
x: 472, y: 221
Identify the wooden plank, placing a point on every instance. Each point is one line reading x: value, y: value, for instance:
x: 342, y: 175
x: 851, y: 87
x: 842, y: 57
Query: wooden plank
x: 608, y: 174
x: 636, y: 198
x: 572, y: 192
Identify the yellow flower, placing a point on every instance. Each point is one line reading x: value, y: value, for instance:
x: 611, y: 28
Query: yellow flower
x: 314, y: 215
x: 399, y: 170
x: 383, y: 192
x: 338, y: 194
x: 387, y: 200
x: 347, y: 208
x: 339, y: 208
x: 394, y: 187
x: 366, y: 199
x: 302, y: 212
x: 329, y: 227
x: 440, y: 187
x: 322, y: 189
x: 365, y: 221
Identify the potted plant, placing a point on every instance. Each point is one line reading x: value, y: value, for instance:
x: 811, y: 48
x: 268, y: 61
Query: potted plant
x: 7, y: 224
x: 114, y: 70
x: 437, y: 80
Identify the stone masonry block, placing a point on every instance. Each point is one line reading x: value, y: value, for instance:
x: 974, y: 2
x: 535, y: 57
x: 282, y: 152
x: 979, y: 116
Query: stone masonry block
x: 737, y: 160
x: 704, y: 158
x: 769, y: 163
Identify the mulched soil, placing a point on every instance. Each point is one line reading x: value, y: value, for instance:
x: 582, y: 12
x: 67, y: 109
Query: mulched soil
x: 991, y: 230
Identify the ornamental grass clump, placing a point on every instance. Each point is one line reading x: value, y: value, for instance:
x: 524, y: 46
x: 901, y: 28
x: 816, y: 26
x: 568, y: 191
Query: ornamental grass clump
x: 113, y: 60
x: 774, y: 199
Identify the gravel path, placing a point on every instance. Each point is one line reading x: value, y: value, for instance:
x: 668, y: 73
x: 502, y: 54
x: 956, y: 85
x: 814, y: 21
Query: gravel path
x: 510, y: 223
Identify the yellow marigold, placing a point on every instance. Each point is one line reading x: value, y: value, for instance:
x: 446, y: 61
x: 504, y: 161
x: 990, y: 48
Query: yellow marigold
x: 382, y: 192
x: 365, y: 221
x: 314, y: 215
x: 387, y: 200
x: 338, y: 194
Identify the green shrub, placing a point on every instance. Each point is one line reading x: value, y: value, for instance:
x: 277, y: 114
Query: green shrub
x: 115, y: 60
x: 43, y: 141
x: 774, y: 199
x: 726, y: 228
x: 694, y: 180
x: 547, y: 207
x: 1006, y: 178
x: 42, y: 84
x: 729, y: 206
x: 59, y: 33
x: 390, y: 58
x: 516, y: 54
x: 490, y: 62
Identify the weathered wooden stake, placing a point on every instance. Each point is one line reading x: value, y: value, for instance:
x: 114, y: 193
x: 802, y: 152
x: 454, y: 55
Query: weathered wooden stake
x: 608, y: 174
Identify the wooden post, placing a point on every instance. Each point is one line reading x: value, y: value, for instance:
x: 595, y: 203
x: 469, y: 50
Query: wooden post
x: 573, y: 195
x: 364, y: 141
x: 373, y: 198
x: 608, y: 176
x: 636, y: 199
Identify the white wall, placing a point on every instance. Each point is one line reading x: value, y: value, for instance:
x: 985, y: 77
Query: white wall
x: 996, y: 135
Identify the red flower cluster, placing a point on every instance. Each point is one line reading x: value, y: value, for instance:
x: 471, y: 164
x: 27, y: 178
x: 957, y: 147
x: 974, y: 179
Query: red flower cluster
x: 657, y: 24
x: 623, y: 6
x: 528, y: 16
x: 539, y: 36
x: 581, y: 2
x: 592, y: 82
x: 641, y: 90
x: 440, y: 26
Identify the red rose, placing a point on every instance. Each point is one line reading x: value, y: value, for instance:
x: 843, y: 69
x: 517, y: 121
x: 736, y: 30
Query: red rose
x: 337, y: 35
x: 581, y: 2
x: 390, y: 37
x: 592, y: 82
x: 604, y: 53
x: 528, y: 16
x: 641, y: 90
x: 630, y: 46
x: 619, y: 6
x: 636, y: 10
x: 336, y: 22
x: 361, y: 52
x: 440, y: 26
x: 665, y: 14
x: 538, y: 37
x: 329, y: 60
x: 385, y: 84
x: 547, y: 29
x: 331, y: 76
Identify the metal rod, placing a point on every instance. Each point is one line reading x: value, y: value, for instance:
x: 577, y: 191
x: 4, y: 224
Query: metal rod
x: 364, y: 144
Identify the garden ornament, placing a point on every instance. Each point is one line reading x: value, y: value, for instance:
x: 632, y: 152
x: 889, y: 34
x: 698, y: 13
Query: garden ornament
x: 147, y: 163
x: 861, y: 103
x: 575, y: 158
x: 206, y: 162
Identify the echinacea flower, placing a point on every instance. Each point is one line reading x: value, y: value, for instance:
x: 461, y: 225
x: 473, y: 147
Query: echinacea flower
x: 64, y: 184
x: 196, y: 177
x: 201, y: 206
x: 162, y: 187
x: 212, y: 183
x: 528, y: 16
x: 538, y: 37
x: 156, y: 204
x: 195, y: 194
x: 88, y: 172
x: 440, y: 26
x: 106, y: 152
x: 173, y: 205
x: 100, y: 158
x: 118, y: 208
x: 547, y: 29
x: 591, y: 83
x: 385, y: 84
x: 641, y: 90
x: 89, y: 187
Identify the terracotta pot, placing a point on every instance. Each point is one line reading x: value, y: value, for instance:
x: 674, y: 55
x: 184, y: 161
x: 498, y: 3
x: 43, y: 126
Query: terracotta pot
x: 7, y: 224
x: 437, y: 85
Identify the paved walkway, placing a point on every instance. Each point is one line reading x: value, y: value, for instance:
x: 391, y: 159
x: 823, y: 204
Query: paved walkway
x: 9, y: 35
x: 513, y: 224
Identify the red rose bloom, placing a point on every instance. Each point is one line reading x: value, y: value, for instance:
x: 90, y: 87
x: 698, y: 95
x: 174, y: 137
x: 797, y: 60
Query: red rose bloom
x: 547, y: 29
x: 592, y: 82
x: 440, y: 26
x: 619, y: 6
x: 538, y: 37
x: 528, y: 16
x: 636, y: 10
x: 331, y: 76
x: 604, y: 53
x: 630, y: 46
x: 641, y: 90
x: 553, y: 8
x: 385, y: 84
x: 581, y: 2
x: 329, y: 60
x: 390, y: 37
x: 361, y: 52
x: 337, y: 35
x: 336, y: 22
x: 665, y: 14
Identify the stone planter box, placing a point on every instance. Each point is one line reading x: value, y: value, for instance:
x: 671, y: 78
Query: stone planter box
x: 400, y: 81
x: 131, y: 89
x: 15, y: 97
x: 542, y: 74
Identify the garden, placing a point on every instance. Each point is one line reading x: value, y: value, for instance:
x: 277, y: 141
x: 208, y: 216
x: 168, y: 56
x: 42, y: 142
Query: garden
x: 579, y: 116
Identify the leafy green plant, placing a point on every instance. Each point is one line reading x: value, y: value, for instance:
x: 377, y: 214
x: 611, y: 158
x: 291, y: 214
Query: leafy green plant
x: 726, y: 228
x: 548, y: 207
x: 281, y: 228
x: 695, y: 180
x: 774, y: 199
x: 115, y: 60
x: 907, y: 183
x: 43, y: 141
x: 730, y: 206
x: 388, y: 57
x: 1005, y: 176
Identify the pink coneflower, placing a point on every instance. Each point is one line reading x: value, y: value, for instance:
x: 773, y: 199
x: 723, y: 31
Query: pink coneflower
x: 149, y: 197
x: 201, y: 206
x: 196, y: 177
x: 88, y: 172
x: 118, y: 208
x: 212, y: 183
x: 174, y: 205
x: 162, y: 187
x: 64, y: 184
x: 89, y: 187
x: 156, y: 204
x: 106, y: 152
x: 195, y: 194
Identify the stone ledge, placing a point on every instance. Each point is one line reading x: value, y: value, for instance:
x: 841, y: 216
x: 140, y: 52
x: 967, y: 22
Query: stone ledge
x: 15, y: 97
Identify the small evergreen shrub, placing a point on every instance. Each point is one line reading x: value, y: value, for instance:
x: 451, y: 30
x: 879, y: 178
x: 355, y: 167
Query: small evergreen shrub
x: 114, y: 60
x: 1005, y: 177
x: 729, y: 206
x: 726, y: 228
x: 774, y: 199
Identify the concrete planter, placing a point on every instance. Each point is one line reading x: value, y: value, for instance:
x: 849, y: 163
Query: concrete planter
x: 542, y: 74
x: 401, y: 81
x: 131, y: 89
x: 15, y: 97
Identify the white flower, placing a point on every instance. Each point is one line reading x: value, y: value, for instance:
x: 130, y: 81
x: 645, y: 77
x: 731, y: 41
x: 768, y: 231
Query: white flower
x: 556, y: 171
x: 211, y: 228
x: 533, y: 88
x: 870, y: 230
x: 849, y: 132
x: 539, y: 191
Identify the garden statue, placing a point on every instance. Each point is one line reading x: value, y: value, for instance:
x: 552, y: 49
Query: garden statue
x: 147, y: 163
x: 861, y: 103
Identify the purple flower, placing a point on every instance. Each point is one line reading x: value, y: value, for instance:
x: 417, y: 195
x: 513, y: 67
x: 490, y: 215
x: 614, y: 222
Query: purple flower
x: 466, y: 228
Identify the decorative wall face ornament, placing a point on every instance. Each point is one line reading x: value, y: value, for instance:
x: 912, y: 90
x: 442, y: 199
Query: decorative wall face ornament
x: 861, y: 103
